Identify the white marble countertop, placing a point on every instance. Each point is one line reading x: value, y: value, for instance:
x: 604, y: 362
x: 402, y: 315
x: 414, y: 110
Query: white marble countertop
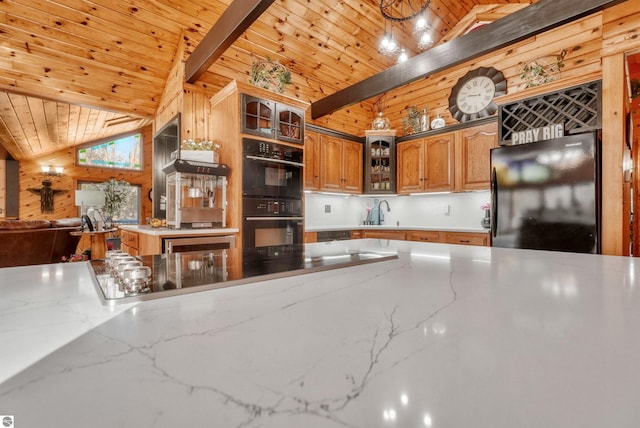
x: 163, y: 231
x: 392, y: 227
x: 444, y: 336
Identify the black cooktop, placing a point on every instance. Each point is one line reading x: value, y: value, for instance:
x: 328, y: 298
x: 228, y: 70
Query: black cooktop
x: 188, y: 272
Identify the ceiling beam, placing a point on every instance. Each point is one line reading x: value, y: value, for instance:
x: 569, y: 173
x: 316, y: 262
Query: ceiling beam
x: 238, y: 16
x: 520, y: 25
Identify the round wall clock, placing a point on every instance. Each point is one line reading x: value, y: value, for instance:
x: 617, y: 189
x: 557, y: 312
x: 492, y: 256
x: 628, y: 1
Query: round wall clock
x: 472, y: 96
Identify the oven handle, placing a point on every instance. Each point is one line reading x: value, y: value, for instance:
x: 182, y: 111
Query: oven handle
x: 272, y: 218
x: 258, y: 158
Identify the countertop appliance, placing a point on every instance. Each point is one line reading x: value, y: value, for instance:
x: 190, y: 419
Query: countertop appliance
x: 272, y: 208
x: 196, y: 194
x: 546, y: 195
x: 188, y: 272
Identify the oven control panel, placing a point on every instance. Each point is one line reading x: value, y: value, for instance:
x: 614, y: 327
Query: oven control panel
x: 272, y: 207
x: 269, y: 150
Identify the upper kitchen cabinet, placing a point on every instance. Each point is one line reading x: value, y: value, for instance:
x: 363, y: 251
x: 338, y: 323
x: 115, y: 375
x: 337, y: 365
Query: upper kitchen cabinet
x: 380, y: 162
x: 427, y: 165
x: 269, y: 119
x: 474, y: 146
x: 311, y: 161
x: 451, y: 161
x: 340, y: 165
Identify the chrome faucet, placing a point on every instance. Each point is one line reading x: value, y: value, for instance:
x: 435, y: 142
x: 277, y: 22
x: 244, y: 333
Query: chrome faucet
x: 380, y: 210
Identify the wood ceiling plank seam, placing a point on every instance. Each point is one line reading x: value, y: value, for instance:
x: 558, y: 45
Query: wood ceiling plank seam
x: 115, y: 14
x: 39, y: 120
x: 51, y: 118
x: 83, y: 122
x: 323, y: 55
x: 125, y: 94
x: 299, y: 68
x: 45, y: 40
x: 333, y: 35
x: 83, y: 63
x: 64, y: 20
x: 19, y: 125
x: 63, y: 69
x: 33, y: 87
x: 7, y: 118
x: 72, y: 129
x: 115, y: 51
x: 343, y: 57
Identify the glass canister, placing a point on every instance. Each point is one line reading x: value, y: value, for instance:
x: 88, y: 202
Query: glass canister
x: 381, y: 122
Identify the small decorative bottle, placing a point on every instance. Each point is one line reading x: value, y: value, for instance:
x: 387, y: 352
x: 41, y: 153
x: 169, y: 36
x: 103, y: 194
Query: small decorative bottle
x: 424, y: 120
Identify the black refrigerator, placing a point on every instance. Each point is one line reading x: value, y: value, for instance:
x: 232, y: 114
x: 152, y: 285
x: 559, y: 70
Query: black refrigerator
x: 546, y: 195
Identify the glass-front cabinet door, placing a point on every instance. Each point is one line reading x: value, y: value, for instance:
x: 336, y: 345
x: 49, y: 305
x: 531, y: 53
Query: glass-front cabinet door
x: 380, y: 164
x: 258, y: 116
x: 290, y: 124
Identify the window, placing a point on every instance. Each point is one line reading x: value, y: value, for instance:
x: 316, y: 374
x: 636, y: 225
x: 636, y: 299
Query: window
x: 130, y: 213
x: 124, y: 152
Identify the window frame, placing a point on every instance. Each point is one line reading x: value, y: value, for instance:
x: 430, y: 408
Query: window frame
x: 106, y: 140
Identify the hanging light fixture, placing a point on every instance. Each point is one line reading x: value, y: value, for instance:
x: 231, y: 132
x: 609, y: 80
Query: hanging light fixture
x: 396, y: 11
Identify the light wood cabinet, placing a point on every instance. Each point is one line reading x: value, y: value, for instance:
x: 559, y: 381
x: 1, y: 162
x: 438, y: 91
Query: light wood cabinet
x: 310, y: 237
x: 423, y: 236
x: 465, y: 238
x: 475, y: 146
x: 356, y: 234
x: 130, y: 242
x: 312, y: 161
x: 340, y: 165
x: 427, y: 165
x: 451, y: 161
x: 385, y: 234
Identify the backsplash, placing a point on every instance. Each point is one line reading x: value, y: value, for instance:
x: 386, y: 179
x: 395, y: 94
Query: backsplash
x: 442, y: 210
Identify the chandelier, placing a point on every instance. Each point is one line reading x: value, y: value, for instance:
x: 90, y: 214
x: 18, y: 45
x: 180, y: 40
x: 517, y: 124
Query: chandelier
x: 398, y: 11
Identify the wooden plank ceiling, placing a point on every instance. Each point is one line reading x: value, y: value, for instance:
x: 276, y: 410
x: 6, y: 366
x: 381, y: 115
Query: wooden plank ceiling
x: 74, y: 71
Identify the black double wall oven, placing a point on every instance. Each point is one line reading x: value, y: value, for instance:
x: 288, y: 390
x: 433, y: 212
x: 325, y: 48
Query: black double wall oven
x: 272, y: 194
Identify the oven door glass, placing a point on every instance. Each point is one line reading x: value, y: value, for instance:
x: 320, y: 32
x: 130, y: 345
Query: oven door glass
x: 264, y: 232
x: 266, y: 177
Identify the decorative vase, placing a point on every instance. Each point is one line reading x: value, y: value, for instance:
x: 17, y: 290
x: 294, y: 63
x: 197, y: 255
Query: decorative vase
x: 437, y: 123
x: 381, y: 122
x: 486, y: 221
x: 424, y: 121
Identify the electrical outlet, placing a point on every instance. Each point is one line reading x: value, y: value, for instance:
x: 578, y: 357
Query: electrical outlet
x: 447, y: 209
x: 327, y: 208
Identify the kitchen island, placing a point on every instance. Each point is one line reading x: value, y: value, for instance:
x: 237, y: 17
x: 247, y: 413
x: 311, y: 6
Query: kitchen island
x: 442, y: 336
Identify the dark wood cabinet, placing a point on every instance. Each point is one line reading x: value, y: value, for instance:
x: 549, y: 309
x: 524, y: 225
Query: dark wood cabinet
x: 380, y: 163
x: 269, y: 119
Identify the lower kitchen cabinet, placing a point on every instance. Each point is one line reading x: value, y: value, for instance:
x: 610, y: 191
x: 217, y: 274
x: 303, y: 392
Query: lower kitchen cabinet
x: 400, y: 235
x: 465, y: 238
x: 129, y: 242
x: 310, y: 237
x: 423, y: 236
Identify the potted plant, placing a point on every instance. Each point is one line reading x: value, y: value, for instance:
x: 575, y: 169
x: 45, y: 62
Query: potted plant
x: 411, y: 122
x: 116, y: 196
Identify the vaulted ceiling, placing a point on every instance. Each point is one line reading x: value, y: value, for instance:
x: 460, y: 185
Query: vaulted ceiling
x: 74, y: 71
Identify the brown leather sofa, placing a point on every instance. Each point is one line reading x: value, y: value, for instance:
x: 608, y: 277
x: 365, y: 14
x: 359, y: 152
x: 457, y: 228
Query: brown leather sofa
x: 33, y: 242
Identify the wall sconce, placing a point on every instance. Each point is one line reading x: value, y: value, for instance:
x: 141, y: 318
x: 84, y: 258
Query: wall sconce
x: 52, y: 170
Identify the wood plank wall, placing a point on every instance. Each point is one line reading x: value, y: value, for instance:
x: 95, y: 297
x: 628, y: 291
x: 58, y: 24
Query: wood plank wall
x: 64, y: 204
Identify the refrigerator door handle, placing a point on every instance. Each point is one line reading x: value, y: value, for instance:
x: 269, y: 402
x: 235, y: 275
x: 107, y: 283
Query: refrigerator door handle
x: 494, y: 202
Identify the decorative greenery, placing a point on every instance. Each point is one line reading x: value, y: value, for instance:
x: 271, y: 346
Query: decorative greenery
x: 543, y: 70
x: 116, y: 196
x: 270, y: 75
x: 199, y: 144
x: 411, y: 122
